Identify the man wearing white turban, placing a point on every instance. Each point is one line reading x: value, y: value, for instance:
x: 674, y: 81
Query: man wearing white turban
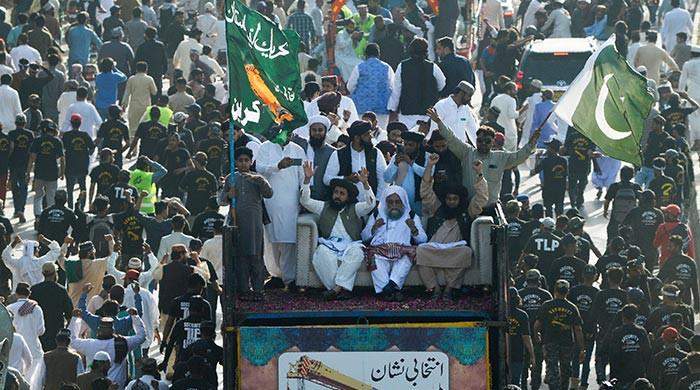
x: 391, y: 234
x: 312, y: 138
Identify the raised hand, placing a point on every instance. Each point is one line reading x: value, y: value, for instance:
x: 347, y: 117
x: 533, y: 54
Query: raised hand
x: 308, y: 171
x: 363, y: 176
x: 377, y: 224
x: 433, y: 115
x: 478, y: 167
x: 433, y: 159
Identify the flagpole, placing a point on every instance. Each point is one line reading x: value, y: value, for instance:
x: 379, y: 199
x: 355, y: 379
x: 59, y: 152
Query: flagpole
x: 230, y: 235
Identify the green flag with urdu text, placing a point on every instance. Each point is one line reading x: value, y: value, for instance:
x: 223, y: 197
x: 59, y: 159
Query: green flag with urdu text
x: 263, y: 71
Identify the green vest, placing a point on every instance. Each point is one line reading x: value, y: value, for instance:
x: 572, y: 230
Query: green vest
x: 351, y: 222
x: 143, y: 181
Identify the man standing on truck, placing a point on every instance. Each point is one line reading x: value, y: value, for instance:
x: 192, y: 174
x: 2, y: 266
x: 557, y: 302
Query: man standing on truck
x: 558, y: 321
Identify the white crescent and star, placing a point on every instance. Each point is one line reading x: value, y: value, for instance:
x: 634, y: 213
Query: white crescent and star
x: 602, y: 123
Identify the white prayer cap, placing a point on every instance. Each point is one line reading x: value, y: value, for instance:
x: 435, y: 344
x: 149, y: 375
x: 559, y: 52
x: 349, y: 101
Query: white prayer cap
x: 102, y: 356
x: 134, y: 263
x: 320, y: 119
x: 209, y: 7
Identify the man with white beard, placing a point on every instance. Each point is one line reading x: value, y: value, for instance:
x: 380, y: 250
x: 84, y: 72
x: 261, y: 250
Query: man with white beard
x: 690, y: 82
x: 392, y: 234
x: 281, y: 166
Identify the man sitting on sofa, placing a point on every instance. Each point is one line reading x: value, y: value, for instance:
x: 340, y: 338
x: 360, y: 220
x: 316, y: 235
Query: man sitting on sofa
x: 448, y: 229
x: 339, y: 254
x: 391, y: 232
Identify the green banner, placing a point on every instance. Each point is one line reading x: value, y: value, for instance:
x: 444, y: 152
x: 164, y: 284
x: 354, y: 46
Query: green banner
x: 264, y: 77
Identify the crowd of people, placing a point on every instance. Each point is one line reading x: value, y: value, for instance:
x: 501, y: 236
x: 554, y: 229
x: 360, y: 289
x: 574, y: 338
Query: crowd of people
x: 117, y: 283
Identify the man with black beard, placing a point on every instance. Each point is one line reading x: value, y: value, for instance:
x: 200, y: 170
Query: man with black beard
x: 449, y: 223
x: 448, y: 167
x: 339, y: 254
x: 318, y: 151
x: 347, y: 162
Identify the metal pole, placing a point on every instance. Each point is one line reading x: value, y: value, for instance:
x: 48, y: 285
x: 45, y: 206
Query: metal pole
x: 228, y: 329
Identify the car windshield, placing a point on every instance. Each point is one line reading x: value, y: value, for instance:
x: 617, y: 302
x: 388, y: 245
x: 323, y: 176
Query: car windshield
x: 558, y: 69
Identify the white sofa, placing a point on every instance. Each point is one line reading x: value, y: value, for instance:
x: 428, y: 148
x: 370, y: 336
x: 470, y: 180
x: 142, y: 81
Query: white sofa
x: 478, y: 274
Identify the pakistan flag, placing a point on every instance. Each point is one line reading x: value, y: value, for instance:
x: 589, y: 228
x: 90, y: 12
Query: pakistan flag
x: 263, y: 69
x: 608, y: 102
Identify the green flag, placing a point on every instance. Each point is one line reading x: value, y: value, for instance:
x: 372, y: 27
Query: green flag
x: 608, y: 102
x: 263, y: 68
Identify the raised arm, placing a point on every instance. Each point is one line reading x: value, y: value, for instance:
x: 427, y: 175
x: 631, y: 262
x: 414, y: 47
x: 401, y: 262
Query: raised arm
x: 456, y: 146
x: 366, y: 207
x: 313, y: 205
x: 481, y: 191
x: 431, y: 203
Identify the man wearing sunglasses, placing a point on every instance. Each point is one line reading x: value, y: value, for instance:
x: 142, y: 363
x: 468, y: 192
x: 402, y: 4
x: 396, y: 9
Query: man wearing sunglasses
x: 495, y: 161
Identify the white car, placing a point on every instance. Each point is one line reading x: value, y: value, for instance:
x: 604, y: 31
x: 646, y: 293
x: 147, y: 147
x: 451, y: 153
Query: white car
x: 555, y: 62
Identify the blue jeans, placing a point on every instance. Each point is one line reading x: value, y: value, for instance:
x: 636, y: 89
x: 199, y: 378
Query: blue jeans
x: 644, y: 177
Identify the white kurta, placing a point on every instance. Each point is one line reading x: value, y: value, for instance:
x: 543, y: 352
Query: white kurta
x: 211, y: 250
x: 346, y: 103
x: 357, y: 163
x: 337, y: 261
x: 675, y: 21
x: 91, y: 119
x: 20, y: 356
x: 509, y: 113
x: 64, y: 102
x: 690, y: 82
x: 529, y: 17
x: 527, y: 116
x: 181, y: 58
x: 206, y: 23
x: 345, y: 56
x: 283, y: 207
x: 10, y: 107
x: 393, y: 231
x: 150, y: 314
x: 27, y: 268
x: 30, y: 326
x: 460, y: 119
x: 145, y: 277
x: 89, y: 347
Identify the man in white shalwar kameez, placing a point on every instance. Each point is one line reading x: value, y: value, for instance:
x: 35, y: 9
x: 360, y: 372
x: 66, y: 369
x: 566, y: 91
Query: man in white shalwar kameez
x: 149, y: 310
x: 28, y: 320
x: 206, y: 23
x: 690, y: 82
x: 526, y: 116
x: 345, y: 57
x: 27, y: 267
x: 509, y: 113
x: 181, y: 57
x: 278, y: 164
x: 675, y: 21
x: 391, y: 234
x: 339, y: 254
